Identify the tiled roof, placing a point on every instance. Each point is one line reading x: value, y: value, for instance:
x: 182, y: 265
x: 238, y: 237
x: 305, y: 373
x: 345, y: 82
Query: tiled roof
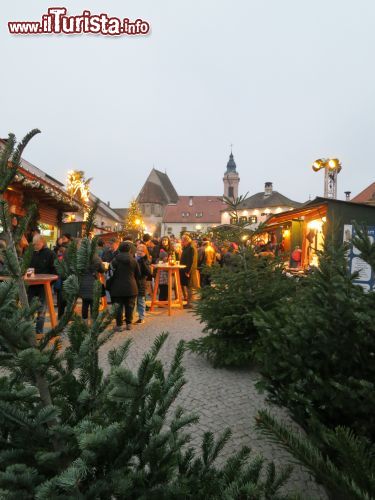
x: 105, y: 209
x: 122, y: 212
x: 168, y: 186
x: 365, y: 196
x: 161, y: 191
x: 152, y: 193
x: 209, y: 206
x: 275, y: 199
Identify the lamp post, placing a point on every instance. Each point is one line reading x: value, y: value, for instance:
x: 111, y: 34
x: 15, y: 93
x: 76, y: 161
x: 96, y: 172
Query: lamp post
x: 332, y: 167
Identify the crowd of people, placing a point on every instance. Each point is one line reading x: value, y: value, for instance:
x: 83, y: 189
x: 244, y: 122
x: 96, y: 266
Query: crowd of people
x: 125, y: 269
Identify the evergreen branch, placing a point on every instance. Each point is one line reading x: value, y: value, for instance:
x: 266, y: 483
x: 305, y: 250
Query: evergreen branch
x: 337, y: 482
x: 16, y: 156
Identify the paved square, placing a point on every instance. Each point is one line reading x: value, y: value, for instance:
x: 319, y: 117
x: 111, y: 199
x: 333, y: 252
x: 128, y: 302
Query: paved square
x: 222, y: 397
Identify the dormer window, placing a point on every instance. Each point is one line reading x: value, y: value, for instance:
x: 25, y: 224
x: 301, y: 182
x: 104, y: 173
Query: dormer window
x: 198, y: 214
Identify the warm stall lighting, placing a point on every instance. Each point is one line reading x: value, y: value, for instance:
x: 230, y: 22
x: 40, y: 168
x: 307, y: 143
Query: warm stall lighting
x: 315, y: 224
x: 286, y: 233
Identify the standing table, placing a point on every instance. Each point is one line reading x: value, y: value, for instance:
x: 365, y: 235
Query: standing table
x: 173, y: 270
x: 45, y: 280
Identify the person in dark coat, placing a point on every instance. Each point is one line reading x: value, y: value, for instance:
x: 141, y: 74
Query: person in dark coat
x: 145, y: 270
x: 188, y: 275
x: 124, y: 288
x: 86, y: 291
x: 43, y: 262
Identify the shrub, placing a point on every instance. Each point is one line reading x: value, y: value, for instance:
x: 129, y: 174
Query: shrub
x: 228, y: 307
x: 317, y: 351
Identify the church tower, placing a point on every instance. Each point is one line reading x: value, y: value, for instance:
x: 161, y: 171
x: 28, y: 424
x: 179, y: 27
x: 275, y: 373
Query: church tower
x: 231, y: 179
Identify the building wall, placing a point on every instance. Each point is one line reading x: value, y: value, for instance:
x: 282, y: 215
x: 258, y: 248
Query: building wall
x: 102, y: 220
x: 176, y: 227
x: 231, y: 180
x: 260, y: 213
x: 152, y: 209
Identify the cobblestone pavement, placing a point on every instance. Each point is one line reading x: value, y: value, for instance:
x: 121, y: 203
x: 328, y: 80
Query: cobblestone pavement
x: 223, y: 398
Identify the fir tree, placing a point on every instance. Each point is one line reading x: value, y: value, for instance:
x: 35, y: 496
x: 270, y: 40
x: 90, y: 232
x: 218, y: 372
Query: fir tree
x: 317, y: 351
x: 134, y: 223
x: 229, y: 307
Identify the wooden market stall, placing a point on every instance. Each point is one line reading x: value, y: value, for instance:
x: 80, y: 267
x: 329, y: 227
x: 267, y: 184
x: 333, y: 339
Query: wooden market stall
x: 33, y: 186
x: 300, y: 232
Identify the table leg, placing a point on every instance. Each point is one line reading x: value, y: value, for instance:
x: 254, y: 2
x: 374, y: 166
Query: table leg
x: 155, y: 292
x: 49, y: 300
x: 170, y: 271
x: 179, y: 288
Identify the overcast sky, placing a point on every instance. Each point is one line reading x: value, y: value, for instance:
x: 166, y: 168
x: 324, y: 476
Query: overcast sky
x: 285, y: 81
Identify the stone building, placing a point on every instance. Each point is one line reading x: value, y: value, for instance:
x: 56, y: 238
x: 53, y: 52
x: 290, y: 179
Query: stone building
x: 156, y: 193
x: 258, y: 207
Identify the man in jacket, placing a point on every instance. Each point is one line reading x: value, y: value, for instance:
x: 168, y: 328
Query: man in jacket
x: 188, y: 275
x: 43, y: 262
x: 110, y: 253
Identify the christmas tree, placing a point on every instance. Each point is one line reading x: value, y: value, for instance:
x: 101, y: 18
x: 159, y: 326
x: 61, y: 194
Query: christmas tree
x: 316, y: 355
x: 134, y: 223
x: 68, y: 431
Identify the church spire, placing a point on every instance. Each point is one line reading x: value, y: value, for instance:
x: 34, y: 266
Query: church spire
x: 231, y: 165
x: 231, y: 178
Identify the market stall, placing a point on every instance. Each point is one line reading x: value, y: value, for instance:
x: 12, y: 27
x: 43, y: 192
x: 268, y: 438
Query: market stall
x: 30, y: 187
x: 299, y: 234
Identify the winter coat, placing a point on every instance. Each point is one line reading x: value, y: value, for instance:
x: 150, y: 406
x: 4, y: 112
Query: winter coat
x: 43, y: 261
x: 189, y: 258
x: 145, y: 272
x: 86, y: 290
x: 125, y: 275
x: 206, y: 256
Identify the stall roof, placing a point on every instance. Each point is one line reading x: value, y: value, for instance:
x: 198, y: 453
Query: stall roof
x: 313, y: 207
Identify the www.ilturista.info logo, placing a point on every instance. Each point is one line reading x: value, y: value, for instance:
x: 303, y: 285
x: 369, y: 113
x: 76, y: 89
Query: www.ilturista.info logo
x: 57, y: 22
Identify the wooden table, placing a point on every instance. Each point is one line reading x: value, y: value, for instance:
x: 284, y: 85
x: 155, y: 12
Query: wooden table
x: 45, y: 280
x: 172, y: 271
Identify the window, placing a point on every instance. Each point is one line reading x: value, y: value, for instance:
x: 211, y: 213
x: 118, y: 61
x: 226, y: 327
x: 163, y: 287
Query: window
x: 243, y: 219
x: 169, y: 230
x: 230, y: 192
x: 183, y: 214
x: 152, y: 209
x: 198, y: 214
x: 187, y: 214
x: 253, y: 219
x: 233, y: 220
x: 183, y: 229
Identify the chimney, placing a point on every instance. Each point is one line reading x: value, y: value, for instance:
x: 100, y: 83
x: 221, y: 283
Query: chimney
x: 347, y: 195
x: 190, y: 201
x: 267, y: 188
x: 108, y: 203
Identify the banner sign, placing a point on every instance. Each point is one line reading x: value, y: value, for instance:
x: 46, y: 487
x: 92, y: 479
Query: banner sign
x: 366, y: 276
